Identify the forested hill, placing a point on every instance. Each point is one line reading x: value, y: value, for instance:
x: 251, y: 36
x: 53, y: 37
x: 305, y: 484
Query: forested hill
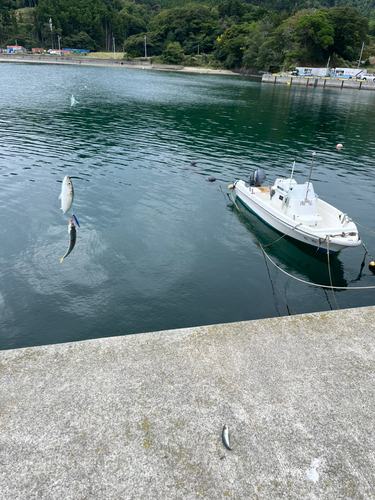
x: 261, y: 35
x: 363, y: 6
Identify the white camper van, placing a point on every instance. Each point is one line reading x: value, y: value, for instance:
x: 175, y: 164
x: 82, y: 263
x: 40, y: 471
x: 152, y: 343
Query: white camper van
x: 359, y: 74
x: 302, y: 71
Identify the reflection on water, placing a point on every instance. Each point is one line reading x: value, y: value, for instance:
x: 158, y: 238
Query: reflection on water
x: 158, y: 247
x: 294, y: 257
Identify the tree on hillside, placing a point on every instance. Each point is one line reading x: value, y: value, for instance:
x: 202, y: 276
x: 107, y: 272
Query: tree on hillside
x: 173, y: 53
x: 82, y: 41
x: 188, y: 25
x: 231, y: 44
x: 314, y: 35
x: 350, y: 29
x: 254, y: 53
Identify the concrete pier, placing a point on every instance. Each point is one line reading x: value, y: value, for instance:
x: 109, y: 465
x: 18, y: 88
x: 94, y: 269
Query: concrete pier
x: 315, y: 81
x: 140, y: 417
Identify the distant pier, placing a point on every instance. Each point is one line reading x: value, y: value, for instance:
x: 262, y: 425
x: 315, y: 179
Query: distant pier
x: 316, y: 81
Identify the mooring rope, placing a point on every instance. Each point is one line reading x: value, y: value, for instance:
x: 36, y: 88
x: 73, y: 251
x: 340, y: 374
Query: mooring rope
x: 317, y: 284
x: 329, y: 274
x: 364, y: 227
x: 330, y: 287
x: 283, y: 236
x: 264, y: 256
x: 366, y: 250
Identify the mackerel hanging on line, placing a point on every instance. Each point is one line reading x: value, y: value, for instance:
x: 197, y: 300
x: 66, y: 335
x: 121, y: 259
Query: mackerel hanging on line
x: 67, y: 194
x: 73, y: 233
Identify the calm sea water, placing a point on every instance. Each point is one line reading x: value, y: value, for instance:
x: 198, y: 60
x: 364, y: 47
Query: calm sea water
x: 159, y: 246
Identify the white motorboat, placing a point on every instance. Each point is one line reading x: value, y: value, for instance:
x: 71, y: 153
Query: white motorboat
x: 296, y: 211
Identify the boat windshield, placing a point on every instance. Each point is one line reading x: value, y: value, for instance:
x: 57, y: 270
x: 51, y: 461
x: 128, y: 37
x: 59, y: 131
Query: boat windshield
x: 299, y: 192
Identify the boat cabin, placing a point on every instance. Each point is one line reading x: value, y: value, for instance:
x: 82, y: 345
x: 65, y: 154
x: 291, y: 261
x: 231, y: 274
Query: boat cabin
x: 297, y: 201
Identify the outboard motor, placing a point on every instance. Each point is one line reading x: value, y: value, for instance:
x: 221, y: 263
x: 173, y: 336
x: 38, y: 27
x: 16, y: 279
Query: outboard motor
x: 257, y: 178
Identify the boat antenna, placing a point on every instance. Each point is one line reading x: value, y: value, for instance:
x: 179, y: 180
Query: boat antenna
x: 290, y: 186
x: 291, y: 176
x: 308, y: 182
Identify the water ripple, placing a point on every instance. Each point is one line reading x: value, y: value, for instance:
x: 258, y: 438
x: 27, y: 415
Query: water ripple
x: 158, y: 246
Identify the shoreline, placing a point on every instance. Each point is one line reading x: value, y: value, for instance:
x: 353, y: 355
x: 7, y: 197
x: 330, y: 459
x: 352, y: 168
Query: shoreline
x: 37, y: 59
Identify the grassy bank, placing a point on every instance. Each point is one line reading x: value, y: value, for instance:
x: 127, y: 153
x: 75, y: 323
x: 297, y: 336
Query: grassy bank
x: 106, y: 55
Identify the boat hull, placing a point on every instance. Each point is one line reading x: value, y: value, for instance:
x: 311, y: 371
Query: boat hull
x: 323, y: 239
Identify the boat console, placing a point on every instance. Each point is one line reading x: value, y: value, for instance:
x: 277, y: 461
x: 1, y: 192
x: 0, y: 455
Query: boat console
x: 297, y: 201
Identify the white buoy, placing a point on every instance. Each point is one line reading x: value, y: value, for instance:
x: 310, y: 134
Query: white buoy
x: 339, y: 146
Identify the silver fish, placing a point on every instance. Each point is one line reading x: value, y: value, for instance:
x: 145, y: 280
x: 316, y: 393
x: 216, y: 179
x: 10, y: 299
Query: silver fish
x: 67, y: 194
x: 72, y: 232
x: 225, y: 436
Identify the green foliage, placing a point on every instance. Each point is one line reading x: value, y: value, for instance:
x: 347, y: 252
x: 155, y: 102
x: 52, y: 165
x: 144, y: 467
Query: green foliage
x: 82, y: 41
x: 350, y: 29
x: 232, y: 33
x: 314, y: 34
x: 190, y: 26
x: 173, y: 53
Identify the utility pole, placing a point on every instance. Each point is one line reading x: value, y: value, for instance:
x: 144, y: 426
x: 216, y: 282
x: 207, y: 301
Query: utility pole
x: 58, y: 39
x: 114, y: 48
x: 198, y: 49
x: 360, y: 56
x: 50, y: 25
x: 145, y: 48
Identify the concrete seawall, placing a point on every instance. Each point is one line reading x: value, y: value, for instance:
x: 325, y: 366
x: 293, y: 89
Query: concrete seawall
x: 140, y: 417
x: 319, y: 82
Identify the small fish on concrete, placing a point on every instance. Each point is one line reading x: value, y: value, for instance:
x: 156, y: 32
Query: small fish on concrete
x: 67, y: 194
x: 225, y: 436
x: 72, y: 234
